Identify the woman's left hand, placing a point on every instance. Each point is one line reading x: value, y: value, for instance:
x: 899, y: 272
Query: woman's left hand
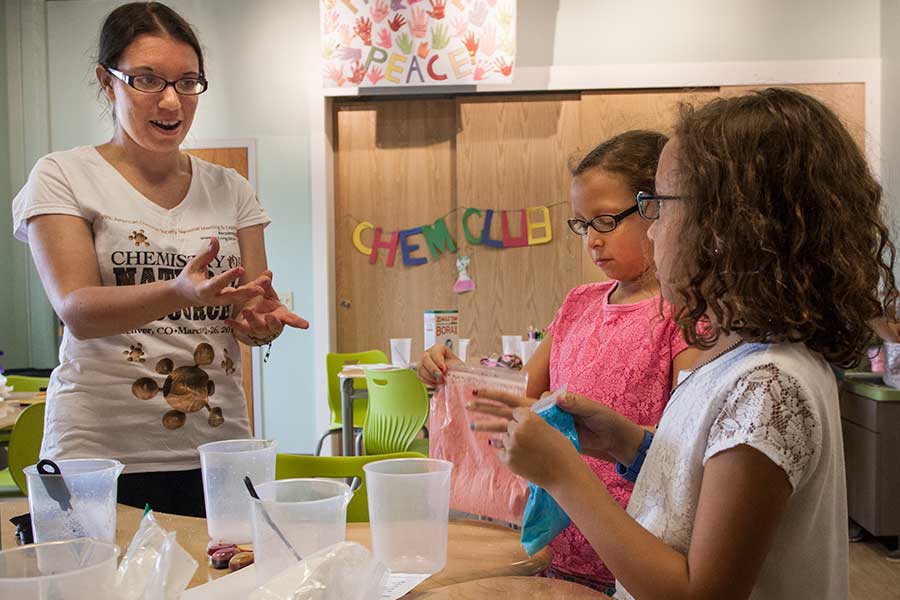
x: 529, y: 446
x: 263, y: 319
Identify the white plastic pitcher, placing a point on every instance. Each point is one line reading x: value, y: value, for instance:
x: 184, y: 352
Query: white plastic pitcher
x: 224, y: 466
x: 80, y: 502
x: 310, y: 513
x: 409, y: 509
x: 68, y: 570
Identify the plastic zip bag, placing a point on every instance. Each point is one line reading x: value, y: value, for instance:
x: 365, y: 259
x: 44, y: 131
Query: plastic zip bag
x: 343, y: 571
x: 155, y: 566
x: 481, y: 485
x: 544, y: 519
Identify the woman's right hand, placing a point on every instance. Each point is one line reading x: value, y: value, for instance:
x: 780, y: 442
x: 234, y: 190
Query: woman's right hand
x: 195, y: 288
x: 434, y: 364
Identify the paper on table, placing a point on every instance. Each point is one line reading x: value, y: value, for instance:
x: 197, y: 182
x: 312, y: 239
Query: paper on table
x: 400, y: 584
x: 239, y: 585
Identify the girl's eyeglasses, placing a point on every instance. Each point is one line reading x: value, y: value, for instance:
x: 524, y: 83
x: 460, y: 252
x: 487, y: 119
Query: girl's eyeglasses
x: 600, y: 223
x: 648, y: 204
x: 151, y: 84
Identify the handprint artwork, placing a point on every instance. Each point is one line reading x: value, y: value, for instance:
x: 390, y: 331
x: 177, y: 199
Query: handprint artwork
x: 417, y: 42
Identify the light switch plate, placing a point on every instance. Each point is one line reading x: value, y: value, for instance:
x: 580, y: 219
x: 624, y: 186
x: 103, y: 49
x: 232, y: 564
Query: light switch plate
x: 287, y: 298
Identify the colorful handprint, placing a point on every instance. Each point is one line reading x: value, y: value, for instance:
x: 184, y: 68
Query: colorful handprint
x: 336, y: 74
x: 423, y: 50
x: 374, y: 75
x: 357, y: 72
x: 504, y: 17
x: 478, y: 14
x: 503, y: 67
x: 405, y: 43
x: 348, y: 53
x: 488, y: 40
x: 346, y: 35
x: 397, y: 5
x: 419, y: 23
x: 482, y: 71
x: 437, y: 9
x: 384, y: 38
x: 363, y: 29
x: 439, y: 36
x: 349, y: 4
x: 331, y: 21
x: 472, y: 46
x: 397, y: 22
x: 379, y: 11
x: 460, y: 26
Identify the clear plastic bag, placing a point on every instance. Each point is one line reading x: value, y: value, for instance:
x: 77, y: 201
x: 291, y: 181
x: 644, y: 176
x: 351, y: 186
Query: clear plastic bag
x: 544, y: 519
x: 480, y: 485
x: 155, y: 566
x: 343, y: 571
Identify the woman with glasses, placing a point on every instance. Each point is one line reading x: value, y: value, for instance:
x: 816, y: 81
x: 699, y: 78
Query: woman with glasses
x: 155, y: 261
x: 612, y: 342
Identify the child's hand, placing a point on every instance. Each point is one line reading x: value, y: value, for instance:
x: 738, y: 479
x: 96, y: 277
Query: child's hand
x: 529, y: 446
x: 434, y: 364
x: 887, y: 330
x: 603, y: 433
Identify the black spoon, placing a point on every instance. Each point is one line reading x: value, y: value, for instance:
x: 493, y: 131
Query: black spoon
x: 268, y: 519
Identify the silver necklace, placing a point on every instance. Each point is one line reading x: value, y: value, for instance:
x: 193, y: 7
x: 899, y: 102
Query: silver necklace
x: 703, y: 364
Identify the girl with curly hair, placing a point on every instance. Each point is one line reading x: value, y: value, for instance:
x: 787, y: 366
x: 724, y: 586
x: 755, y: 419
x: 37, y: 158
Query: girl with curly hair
x: 769, y: 241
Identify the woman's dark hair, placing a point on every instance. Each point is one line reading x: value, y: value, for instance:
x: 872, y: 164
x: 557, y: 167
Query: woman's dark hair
x: 632, y: 155
x: 129, y: 21
x: 783, y: 226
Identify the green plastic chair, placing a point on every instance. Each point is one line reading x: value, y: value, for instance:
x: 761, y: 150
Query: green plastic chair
x: 334, y: 362
x: 24, y: 450
x: 21, y: 383
x: 398, y: 409
x: 290, y: 466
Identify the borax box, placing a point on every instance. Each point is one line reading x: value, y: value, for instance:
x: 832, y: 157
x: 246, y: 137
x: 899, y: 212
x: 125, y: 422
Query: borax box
x: 442, y: 326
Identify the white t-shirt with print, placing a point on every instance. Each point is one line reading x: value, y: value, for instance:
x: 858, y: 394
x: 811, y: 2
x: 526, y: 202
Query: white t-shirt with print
x: 782, y: 400
x: 147, y: 397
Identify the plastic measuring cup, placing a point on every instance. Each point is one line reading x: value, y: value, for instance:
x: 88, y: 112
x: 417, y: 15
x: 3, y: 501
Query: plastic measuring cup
x: 59, y: 570
x: 311, y: 514
x: 87, y: 506
x: 224, y: 466
x: 409, y: 508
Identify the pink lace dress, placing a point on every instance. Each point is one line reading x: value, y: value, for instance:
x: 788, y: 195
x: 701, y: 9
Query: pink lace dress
x: 620, y: 355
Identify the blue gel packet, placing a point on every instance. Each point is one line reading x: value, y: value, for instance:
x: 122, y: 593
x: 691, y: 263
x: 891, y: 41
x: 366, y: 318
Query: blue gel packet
x: 544, y: 519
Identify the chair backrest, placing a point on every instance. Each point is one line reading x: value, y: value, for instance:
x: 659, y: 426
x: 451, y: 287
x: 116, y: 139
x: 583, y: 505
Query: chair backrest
x: 289, y: 466
x: 25, y: 443
x: 398, y: 408
x: 334, y: 362
x: 21, y: 383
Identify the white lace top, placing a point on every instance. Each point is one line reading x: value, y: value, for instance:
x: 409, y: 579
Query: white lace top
x: 782, y: 400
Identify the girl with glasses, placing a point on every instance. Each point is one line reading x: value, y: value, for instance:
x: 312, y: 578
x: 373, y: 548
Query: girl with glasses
x: 609, y: 341
x: 155, y: 261
x: 770, y: 243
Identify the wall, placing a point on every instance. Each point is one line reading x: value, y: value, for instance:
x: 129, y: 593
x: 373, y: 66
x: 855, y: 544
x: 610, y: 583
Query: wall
x: 6, y: 240
x: 890, y: 132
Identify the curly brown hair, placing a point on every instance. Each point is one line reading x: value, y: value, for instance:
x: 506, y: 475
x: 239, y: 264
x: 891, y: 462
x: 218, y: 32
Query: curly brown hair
x: 784, y: 226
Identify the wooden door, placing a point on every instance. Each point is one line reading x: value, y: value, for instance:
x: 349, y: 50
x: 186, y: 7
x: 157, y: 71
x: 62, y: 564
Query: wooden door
x: 512, y: 153
x: 239, y: 160
x: 394, y: 169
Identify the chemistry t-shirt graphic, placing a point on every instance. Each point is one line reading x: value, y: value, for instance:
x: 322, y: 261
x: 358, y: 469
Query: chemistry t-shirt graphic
x: 150, y: 396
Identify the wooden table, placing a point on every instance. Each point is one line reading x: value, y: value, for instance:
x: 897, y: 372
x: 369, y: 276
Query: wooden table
x: 517, y: 588
x: 475, y: 550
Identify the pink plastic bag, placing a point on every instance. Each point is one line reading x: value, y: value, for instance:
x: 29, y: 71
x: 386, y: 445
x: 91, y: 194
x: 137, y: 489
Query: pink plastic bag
x: 480, y: 484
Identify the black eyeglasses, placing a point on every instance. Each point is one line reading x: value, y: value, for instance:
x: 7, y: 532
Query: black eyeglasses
x: 648, y: 204
x: 600, y: 223
x: 152, y: 84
